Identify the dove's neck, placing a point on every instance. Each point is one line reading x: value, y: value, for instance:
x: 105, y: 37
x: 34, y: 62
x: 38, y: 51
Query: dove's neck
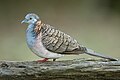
x: 30, y: 35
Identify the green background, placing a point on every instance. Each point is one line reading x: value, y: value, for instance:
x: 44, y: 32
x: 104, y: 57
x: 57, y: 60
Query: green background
x: 94, y: 23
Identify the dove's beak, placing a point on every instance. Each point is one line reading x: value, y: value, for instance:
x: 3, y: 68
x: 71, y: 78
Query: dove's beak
x: 24, y: 21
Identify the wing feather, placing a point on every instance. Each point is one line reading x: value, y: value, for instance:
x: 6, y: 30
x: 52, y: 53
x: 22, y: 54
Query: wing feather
x: 59, y: 42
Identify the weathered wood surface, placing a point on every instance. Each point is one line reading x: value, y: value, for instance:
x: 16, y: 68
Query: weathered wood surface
x: 78, y: 69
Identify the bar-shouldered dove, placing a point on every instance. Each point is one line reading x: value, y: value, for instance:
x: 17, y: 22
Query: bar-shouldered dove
x: 50, y: 43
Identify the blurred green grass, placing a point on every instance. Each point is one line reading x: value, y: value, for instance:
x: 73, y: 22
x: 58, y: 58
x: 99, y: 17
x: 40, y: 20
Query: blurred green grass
x: 94, y: 23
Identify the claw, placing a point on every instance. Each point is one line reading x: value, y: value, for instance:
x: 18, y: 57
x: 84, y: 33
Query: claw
x: 44, y: 60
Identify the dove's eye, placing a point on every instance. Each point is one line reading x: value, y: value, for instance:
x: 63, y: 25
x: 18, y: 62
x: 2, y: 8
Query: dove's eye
x: 30, y: 18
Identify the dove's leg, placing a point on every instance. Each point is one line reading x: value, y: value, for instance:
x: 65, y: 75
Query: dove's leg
x: 44, y: 60
x: 54, y: 59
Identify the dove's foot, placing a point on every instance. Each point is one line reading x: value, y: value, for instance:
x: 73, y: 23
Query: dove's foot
x: 44, y: 60
x: 54, y: 59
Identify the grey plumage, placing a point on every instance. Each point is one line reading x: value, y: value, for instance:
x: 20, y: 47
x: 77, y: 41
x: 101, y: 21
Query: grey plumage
x: 54, y: 40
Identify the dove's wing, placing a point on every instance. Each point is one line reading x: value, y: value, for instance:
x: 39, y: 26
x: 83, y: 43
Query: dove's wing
x: 59, y: 42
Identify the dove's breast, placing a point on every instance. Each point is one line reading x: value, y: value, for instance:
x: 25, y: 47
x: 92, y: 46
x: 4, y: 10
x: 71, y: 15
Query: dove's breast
x: 35, y: 44
x: 30, y: 36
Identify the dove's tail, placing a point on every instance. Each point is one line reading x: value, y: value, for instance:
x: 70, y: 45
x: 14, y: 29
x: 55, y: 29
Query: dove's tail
x: 93, y: 53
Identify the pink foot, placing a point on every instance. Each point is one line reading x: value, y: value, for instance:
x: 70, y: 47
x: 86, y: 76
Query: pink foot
x: 44, y: 60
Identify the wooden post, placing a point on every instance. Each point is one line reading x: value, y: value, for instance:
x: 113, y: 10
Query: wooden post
x: 78, y: 69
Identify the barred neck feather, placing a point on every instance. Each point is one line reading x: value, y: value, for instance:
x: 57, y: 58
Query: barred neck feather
x: 38, y: 26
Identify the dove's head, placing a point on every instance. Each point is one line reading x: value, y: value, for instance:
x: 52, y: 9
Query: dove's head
x: 30, y: 18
